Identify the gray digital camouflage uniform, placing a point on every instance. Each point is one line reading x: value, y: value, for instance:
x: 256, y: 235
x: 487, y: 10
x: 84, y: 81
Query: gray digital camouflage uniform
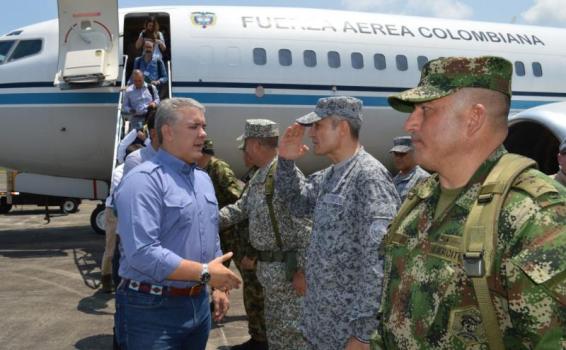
x: 283, y: 306
x: 352, y: 203
x: 403, y: 183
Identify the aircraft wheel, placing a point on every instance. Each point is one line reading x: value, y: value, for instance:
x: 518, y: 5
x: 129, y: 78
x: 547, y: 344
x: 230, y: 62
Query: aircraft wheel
x: 4, y: 207
x: 69, y: 206
x: 97, y: 219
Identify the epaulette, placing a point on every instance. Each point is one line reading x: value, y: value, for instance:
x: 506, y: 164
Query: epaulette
x: 539, y: 187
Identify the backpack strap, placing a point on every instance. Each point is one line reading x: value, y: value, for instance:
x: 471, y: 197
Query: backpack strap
x: 269, y: 191
x: 152, y: 91
x: 480, y: 237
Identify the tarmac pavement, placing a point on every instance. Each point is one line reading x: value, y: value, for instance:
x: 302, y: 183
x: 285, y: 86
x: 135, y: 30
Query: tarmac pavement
x: 50, y: 280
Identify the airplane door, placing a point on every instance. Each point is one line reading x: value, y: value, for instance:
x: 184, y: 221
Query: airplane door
x: 88, y: 43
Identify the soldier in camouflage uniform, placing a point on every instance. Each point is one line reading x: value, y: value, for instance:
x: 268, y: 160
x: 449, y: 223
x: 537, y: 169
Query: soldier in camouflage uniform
x: 458, y: 123
x: 276, y: 235
x: 352, y: 202
x: 404, y: 159
x: 234, y: 239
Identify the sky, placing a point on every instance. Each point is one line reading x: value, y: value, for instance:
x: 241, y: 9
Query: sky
x: 535, y: 12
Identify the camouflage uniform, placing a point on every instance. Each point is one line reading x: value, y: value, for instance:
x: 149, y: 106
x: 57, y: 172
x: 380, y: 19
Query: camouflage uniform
x: 429, y: 301
x: 351, y: 203
x: 228, y: 189
x: 283, y: 306
x: 404, y: 182
x: 234, y: 239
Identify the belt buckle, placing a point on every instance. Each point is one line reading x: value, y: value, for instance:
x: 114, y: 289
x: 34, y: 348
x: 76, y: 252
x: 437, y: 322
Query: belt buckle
x: 473, y: 264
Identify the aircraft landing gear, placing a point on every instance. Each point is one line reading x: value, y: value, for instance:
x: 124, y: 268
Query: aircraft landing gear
x: 97, y: 219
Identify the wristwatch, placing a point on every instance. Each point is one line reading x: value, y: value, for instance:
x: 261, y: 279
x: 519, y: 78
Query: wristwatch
x: 204, y: 275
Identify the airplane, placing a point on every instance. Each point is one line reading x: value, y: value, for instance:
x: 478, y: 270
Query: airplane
x: 61, y: 81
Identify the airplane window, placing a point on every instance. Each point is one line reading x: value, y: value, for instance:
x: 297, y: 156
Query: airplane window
x: 309, y: 56
x: 333, y: 59
x: 520, y: 68
x: 379, y: 61
x: 421, y: 61
x: 537, y: 69
x: 260, y: 57
x: 285, y: 58
x: 357, y: 60
x: 26, y: 48
x: 402, y: 63
x: 5, y: 47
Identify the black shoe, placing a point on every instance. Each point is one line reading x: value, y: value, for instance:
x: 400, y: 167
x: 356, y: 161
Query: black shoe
x: 251, y: 344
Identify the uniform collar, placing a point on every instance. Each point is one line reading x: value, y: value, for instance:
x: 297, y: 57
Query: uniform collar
x: 173, y: 162
x: 431, y: 185
x: 262, y: 172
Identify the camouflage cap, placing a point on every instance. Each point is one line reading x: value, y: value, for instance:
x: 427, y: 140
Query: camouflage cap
x: 343, y: 106
x: 402, y: 144
x: 208, y: 147
x: 445, y: 76
x: 259, y: 128
x: 562, y: 147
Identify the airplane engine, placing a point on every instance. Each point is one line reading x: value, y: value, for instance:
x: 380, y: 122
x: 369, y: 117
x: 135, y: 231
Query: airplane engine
x: 537, y: 133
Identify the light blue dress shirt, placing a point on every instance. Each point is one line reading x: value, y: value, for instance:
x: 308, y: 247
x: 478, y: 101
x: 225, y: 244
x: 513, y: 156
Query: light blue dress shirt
x: 137, y: 100
x: 167, y: 211
x: 152, y: 70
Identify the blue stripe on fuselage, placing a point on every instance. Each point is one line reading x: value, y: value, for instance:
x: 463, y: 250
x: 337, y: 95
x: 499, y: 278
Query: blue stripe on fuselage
x: 76, y: 98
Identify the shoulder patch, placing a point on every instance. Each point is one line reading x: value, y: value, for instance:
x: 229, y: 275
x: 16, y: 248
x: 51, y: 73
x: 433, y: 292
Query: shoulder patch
x: 539, y: 187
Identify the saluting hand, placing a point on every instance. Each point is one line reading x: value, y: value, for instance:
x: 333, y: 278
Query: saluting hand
x: 220, y: 276
x: 291, y: 145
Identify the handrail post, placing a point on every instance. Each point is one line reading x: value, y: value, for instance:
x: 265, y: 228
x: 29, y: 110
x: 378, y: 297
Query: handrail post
x: 119, y: 119
x: 170, y: 79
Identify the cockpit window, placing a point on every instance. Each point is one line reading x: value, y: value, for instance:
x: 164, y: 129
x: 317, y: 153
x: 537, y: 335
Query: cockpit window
x: 5, y: 47
x: 26, y: 48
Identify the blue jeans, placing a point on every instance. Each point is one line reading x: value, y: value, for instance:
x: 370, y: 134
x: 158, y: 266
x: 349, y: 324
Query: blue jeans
x: 146, y: 321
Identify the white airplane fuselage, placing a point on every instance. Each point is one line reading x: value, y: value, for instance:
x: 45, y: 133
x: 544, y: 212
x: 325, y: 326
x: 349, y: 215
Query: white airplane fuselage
x: 70, y: 133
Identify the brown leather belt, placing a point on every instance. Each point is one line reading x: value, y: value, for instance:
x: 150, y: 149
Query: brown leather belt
x: 156, y: 289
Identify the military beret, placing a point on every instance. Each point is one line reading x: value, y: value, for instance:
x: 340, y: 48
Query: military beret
x: 343, y: 106
x: 444, y: 76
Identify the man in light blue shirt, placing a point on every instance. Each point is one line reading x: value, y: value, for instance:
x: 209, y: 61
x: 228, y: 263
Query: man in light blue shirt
x: 139, y: 98
x: 142, y: 155
x: 152, y: 67
x: 168, y: 226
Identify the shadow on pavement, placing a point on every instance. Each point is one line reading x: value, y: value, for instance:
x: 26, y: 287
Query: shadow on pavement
x: 95, y: 342
x: 21, y: 212
x: 88, y: 264
x: 96, y: 303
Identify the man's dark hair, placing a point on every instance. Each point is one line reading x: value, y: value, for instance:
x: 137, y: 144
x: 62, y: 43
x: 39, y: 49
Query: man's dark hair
x: 133, y: 147
x: 151, y: 119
